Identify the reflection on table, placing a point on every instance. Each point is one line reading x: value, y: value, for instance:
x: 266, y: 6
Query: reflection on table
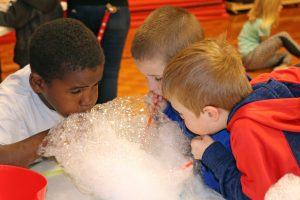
x: 60, y: 186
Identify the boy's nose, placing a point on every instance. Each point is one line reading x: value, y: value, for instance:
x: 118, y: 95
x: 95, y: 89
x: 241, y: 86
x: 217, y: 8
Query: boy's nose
x: 88, y: 101
x: 156, y: 88
x: 153, y: 85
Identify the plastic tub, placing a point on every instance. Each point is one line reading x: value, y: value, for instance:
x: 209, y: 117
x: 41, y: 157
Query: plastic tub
x: 17, y: 183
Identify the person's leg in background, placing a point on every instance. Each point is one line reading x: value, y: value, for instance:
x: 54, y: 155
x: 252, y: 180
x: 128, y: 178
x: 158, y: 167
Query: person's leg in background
x: 266, y: 55
x: 113, y: 42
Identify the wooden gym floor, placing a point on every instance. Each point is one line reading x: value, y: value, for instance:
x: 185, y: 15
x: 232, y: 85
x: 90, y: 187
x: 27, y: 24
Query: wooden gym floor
x: 131, y: 82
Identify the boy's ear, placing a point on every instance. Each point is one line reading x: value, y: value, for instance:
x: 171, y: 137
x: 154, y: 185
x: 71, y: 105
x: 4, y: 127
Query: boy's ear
x: 212, y: 112
x: 37, y: 83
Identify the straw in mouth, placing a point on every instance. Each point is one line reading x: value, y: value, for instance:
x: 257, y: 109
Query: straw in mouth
x: 153, y: 109
x: 186, y: 166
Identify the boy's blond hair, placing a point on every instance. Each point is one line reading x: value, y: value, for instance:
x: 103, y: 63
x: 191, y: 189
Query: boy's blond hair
x: 207, y: 73
x: 165, y: 32
x: 267, y: 10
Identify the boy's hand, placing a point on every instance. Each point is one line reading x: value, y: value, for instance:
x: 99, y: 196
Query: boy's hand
x: 155, y: 102
x: 199, y: 145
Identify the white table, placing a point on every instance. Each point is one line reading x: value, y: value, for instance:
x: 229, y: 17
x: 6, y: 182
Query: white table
x: 60, y: 187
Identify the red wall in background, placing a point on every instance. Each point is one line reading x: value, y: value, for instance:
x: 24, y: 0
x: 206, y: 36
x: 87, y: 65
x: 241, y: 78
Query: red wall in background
x: 203, y: 9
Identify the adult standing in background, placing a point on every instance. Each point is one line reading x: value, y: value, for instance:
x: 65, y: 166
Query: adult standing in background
x: 25, y: 16
x: 91, y: 13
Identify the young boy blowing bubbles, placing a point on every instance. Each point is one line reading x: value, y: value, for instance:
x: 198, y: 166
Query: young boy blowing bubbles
x: 206, y: 84
x: 165, y: 32
x: 66, y: 64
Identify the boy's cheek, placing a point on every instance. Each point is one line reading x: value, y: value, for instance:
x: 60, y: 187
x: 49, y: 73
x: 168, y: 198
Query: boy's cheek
x: 156, y: 90
x: 192, y: 127
x: 68, y: 106
x: 186, y: 122
x: 154, y: 85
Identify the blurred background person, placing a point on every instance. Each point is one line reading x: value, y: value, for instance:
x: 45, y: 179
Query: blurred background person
x: 25, y: 16
x: 91, y: 13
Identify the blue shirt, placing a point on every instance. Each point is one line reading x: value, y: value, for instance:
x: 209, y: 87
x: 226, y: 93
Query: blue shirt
x: 222, y: 136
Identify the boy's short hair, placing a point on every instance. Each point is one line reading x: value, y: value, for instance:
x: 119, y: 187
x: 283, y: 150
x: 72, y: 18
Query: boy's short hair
x: 164, y: 33
x: 61, y: 46
x: 207, y: 73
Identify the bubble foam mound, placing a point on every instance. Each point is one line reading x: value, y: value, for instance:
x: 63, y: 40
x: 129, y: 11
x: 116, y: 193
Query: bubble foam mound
x: 287, y: 187
x: 111, y: 153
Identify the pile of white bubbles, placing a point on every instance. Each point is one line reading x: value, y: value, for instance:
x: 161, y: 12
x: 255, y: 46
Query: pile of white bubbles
x: 113, y: 153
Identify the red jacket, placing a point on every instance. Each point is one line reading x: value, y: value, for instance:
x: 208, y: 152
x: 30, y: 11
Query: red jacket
x: 262, y: 152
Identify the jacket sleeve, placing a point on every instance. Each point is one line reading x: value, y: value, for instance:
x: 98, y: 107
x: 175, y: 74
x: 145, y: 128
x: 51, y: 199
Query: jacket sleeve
x: 257, y: 149
x: 291, y: 74
x: 18, y: 14
x: 45, y: 6
x: 23, y: 11
x: 223, y: 165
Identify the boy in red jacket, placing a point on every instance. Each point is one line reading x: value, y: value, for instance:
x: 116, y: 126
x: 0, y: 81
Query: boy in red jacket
x: 262, y: 116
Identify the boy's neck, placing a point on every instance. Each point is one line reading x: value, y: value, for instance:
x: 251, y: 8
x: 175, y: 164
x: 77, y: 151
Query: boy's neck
x: 223, y: 117
x: 43, y: 99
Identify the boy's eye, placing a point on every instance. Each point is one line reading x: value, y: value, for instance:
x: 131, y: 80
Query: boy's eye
x: 181, y: 115
x: 75, y: 91
x: 158, y: 78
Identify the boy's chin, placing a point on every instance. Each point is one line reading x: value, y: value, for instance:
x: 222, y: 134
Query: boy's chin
x: 78, y: 111
x: 64, y: 114
x: 156, y: 93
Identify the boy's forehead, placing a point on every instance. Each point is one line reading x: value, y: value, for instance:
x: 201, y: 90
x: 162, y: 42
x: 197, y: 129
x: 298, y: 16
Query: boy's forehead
x: 86, y: 76
x: 151, y: 66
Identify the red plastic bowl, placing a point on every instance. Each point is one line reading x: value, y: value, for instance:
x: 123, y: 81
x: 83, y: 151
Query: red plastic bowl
x: 17, y: 183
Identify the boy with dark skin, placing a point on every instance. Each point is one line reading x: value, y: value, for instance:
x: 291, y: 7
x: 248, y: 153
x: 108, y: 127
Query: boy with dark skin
x: 66, y: 64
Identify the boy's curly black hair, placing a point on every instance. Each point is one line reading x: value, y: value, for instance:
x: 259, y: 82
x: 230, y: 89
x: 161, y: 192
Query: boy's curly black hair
x: 61, y: 46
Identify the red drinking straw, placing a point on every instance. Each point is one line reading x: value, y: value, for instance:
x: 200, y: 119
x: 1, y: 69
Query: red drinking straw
x: 153, y: 110
x: 186, y: 165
